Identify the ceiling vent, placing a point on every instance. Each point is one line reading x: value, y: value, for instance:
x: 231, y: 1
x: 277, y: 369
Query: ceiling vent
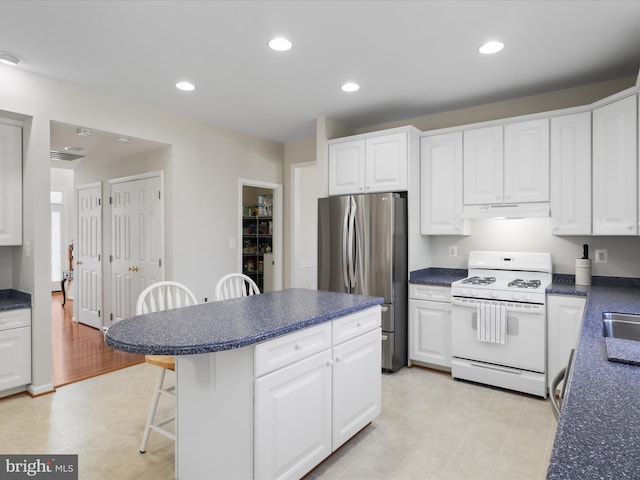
x: 69, y: 157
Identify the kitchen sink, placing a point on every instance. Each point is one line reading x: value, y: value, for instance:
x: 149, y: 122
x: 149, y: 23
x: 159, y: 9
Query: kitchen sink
x: 621, y: 325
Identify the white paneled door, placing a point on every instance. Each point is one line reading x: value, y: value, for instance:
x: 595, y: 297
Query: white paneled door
x: 88, y: 253
x: 137, y: 245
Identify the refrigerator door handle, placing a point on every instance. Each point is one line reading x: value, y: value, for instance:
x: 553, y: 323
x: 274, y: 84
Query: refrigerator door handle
x: 351, y: 243
x: 345, y: 228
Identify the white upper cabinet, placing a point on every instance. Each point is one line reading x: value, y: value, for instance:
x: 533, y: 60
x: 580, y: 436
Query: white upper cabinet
x: 615, y: 177
x: 483, y: 166
x: 507, y: 164
x: 386, y: 164
x: 378, y: 163
x: 526, y: 161
x: 571, y: 174
x: 346, y: 167
x: 10, y: 184
x: 441, y: 185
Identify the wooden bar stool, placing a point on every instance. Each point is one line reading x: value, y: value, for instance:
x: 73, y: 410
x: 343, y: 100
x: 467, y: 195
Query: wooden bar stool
x: 157, y: 297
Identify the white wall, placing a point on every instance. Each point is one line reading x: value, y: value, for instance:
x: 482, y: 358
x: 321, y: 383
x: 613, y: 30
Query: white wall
x: 201, y: 175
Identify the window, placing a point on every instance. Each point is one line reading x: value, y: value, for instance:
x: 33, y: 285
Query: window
x: 57, y: 250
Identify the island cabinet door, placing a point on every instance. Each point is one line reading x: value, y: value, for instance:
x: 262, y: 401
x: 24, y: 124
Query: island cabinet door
x: 293, y: 418
x: 356, y: 385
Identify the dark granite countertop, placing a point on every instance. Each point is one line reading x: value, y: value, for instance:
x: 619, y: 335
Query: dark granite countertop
x: 11, y: 299
x: 229, y: 324
x: 443, y: 277
x: 599, y: 427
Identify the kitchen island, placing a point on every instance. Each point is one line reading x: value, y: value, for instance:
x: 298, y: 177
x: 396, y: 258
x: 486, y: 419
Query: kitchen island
x: 268, y: 385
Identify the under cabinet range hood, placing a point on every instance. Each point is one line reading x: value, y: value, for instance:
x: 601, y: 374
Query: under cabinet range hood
x: 507, y: 210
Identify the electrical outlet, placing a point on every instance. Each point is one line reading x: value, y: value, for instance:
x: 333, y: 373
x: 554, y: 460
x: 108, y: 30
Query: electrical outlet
x: 601, y: 256
x: 205, y: 300
x: 453, y: 251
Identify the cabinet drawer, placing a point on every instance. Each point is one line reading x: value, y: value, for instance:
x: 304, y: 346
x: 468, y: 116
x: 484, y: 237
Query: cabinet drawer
x: 283, y: 351
x: 15, y: 318
x: 430, y: 292
x: 346, y: 328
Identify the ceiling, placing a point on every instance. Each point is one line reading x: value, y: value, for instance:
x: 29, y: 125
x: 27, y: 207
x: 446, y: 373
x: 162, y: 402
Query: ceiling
x: 411, y: 58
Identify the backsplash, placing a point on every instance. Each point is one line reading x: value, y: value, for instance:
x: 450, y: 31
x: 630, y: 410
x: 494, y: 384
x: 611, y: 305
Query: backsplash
x: 534, y: 235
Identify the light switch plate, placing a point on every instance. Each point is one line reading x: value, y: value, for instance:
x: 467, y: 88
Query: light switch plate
x: 453, y: 251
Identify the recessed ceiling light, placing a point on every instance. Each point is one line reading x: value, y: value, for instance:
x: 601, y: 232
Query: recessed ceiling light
x: 491, y: 47
x: 124, y: 139
x: 280, y: 44
x: 75, y: 149
x: 9, y: 58
x: 350, y: 87
x: 185, y: 86
x: 85, y: 132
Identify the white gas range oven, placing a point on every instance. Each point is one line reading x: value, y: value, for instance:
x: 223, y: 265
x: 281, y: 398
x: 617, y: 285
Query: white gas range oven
x: 499, y: 323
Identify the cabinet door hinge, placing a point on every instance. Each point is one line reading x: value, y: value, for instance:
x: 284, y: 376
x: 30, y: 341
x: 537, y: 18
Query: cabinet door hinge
x: 110, y: 258
x: 99, y: 201
x: 111, y: 317
x: 99, y: 256
x: 98, y: 313
x: 160, y: 262
x: 110, y: 200
x: 159, y: 195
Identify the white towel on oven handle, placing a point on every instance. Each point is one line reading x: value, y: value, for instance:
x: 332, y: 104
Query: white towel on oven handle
x: 491, y: 323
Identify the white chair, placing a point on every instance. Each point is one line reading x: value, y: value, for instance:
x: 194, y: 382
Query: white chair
x: 157, y: 297
x: 235, y: 285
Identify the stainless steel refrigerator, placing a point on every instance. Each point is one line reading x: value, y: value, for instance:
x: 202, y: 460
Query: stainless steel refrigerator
x: 362, y: 249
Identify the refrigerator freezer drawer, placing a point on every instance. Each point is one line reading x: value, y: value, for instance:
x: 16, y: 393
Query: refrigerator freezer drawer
x: 388, y: 322
x: 387, y: 350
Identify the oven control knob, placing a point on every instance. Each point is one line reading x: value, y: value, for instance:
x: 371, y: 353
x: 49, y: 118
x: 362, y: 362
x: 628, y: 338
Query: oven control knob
x: 516, y: 297
x: 527, y: 298
x: 494, y: 294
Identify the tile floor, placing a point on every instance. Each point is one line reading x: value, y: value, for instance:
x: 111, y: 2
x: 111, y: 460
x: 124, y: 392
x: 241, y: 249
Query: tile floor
x: 431, y: 428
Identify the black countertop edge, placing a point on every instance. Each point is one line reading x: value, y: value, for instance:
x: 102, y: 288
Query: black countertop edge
x: 11, y: 299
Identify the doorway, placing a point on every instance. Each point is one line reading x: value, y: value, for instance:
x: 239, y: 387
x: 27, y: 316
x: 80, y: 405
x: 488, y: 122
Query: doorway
x: 260, y: 237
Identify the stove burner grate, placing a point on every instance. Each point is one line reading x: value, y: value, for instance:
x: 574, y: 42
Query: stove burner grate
x: 479, y: 280
x: 520, y: 283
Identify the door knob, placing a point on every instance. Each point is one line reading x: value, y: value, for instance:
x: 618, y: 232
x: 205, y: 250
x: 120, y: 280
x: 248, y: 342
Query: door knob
x: 133, y: 269
x: 78, y: 262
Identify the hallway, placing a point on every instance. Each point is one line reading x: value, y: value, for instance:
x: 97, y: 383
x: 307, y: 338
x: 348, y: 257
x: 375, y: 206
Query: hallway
x: 79, y: 351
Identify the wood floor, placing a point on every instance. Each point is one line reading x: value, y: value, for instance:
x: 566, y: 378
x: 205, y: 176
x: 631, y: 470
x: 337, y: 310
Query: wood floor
x: 79, y: 351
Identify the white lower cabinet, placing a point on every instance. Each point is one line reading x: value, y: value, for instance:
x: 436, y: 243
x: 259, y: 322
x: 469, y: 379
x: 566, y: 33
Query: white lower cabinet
x: 564, y: 317
x: 306, y: 409
x: 357, y: 386
x: 430, y: 325
x: 293, y: 418
x: 15, y: 350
